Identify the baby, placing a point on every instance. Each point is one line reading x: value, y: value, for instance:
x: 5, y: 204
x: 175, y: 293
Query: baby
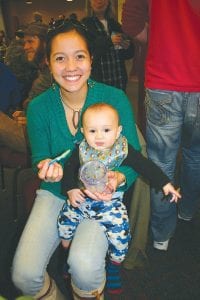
x: 103, y: 141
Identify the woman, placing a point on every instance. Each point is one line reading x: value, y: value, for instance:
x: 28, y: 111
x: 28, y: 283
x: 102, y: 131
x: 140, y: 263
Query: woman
x: 53, y: 126
x: 111, y: 46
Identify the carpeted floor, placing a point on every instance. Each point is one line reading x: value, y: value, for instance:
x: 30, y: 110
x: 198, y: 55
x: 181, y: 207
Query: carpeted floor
x: 171, y: 275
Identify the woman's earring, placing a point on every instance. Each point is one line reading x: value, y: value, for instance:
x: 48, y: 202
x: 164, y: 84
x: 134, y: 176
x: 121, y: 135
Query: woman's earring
x: 53, y: 85
x: 91, y: 83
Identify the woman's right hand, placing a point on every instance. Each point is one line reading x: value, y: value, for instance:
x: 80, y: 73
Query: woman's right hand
x: 50, y: 173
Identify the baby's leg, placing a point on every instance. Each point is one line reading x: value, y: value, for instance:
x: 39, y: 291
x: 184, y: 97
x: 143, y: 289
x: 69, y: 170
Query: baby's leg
x: 68, y: 220
x: 65, y: 243
x: 115, y: 221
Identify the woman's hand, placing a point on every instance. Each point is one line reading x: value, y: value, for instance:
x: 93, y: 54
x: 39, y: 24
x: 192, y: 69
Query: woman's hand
x: 169, y: 189
x: 116, y: 38
x: 50, y: 173
x: 76, y: 197
x: 114, y: 180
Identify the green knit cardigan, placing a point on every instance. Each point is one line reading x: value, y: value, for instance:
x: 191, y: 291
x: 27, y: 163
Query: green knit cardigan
x: 49, y: 134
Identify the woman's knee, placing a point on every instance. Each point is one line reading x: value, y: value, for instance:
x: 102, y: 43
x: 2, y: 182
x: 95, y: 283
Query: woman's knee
x: 26, y: 280
x: 82, y: 265
x: 87, y: 255
x: 87, y: 273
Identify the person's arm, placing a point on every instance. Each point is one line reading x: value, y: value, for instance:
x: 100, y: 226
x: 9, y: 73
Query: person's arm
x: 38, y: 133
x: 146, y: 168
x: 15, y: 97
x: 127, y: 52
x: 40, y: 142
x: 135, y: 19
x: 127, y: 120
x: 121, y: 39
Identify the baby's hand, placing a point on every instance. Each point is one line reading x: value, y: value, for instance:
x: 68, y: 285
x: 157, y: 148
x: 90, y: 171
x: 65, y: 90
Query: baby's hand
x: 76, y: 197
x: 169, y: 189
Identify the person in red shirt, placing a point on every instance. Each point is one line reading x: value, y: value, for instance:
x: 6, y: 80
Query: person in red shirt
x: 172, y: 85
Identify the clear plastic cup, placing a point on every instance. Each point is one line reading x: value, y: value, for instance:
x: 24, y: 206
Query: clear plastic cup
x: 116, y: 34
x: 93, y: 174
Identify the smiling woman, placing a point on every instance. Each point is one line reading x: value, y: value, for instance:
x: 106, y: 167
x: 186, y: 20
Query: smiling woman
x: 52, y: 129
x: 71, y: 67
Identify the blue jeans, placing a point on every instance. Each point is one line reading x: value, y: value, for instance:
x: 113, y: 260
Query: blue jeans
x: 40, y: 239
x: 173, y: 123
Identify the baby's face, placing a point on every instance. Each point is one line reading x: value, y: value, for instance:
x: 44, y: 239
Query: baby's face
x: 101, y: 128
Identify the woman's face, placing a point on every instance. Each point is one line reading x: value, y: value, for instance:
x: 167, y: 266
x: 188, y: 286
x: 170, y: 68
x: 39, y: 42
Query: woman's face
x: 99, y: 6
x: 70, y: 61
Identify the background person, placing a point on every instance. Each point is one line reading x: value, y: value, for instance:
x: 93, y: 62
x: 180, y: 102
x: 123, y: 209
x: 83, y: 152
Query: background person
x: 111, y: 46
x: 24, y: 70
x: 34, y: 47
x: 37, y: 18
x: 172, y: 101
x: 137, y: 27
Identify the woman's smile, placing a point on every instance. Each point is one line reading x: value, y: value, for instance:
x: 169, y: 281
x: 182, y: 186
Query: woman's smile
x: 72, y: 78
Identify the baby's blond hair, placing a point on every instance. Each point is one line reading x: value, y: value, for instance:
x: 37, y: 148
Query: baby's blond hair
x: 99, y: 106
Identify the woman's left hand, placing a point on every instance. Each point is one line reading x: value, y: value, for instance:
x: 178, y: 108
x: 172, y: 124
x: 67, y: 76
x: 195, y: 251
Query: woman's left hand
x: 50, y: 173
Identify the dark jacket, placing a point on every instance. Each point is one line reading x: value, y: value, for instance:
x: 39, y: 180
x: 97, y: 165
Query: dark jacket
x: 108, y: 63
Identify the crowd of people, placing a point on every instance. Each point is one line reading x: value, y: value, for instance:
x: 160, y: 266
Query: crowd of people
x: 68, y: 92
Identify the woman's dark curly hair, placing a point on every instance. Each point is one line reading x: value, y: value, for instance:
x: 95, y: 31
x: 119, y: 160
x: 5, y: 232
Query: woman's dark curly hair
x: 67, y: 25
